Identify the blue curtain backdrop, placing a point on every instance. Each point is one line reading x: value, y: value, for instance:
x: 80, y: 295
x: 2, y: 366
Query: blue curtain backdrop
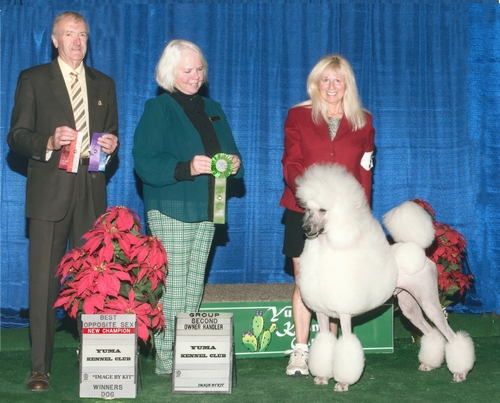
x: 428, y: 71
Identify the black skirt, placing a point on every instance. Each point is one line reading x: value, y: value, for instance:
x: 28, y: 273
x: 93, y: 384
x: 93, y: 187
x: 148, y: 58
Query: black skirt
x: 293, y: 244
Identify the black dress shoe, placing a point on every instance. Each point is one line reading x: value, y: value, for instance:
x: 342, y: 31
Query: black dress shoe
x: 38, y: 382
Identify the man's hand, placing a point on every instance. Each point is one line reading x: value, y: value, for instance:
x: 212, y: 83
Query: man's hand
x: 62, y: 137
x: 108, y: 142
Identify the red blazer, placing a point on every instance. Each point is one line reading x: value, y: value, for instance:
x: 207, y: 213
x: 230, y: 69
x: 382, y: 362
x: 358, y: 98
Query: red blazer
x: 307, y: 143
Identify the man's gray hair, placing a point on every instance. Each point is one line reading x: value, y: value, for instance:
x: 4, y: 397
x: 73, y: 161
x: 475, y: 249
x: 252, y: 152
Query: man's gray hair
x: 67, y: 14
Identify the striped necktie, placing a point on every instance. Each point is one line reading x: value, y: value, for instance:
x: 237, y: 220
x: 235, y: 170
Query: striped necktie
x: 79, y: 113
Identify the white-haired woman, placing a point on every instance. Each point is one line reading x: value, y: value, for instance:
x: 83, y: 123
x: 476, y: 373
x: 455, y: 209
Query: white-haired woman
x: 331, y: 126
x: 177, y: 136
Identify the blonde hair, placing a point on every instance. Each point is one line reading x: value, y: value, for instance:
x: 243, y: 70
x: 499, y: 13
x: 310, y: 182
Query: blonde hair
x: 351, y: 104
x: 170, y: 60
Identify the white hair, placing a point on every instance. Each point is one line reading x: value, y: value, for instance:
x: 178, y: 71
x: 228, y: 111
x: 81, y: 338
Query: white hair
x: 170, y: 60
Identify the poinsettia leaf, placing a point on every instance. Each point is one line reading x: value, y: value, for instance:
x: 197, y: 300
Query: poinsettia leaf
x: 124, y: 248
x: 107, y: 284
x: 71, y: 265
x: 124, y: 220
x: 140, y: 296
x: 85, y: 282
x: 63, y: 300
x: 110, y: 215
x: 118, y: 304
x: 75, y: 308
x: 122, y: 276
x: 92, y: 244
x: 157, y: 319
x: 158, y: 291
x: 138, y: 241
x: 143, y: 272
x: 120, y: 255
x: 451, y: 290
x: 142, y: 329
x: 125, y: 289
x: 90, y: 233
x: 142, y: 309
x: 152, y: 297
x: 89, y: 304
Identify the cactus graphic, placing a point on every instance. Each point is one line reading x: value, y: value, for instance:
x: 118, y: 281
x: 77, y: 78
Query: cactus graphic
x: 249, y: 341
x: 266, y: 339
x: 258, y: 339
x: 257, y: 324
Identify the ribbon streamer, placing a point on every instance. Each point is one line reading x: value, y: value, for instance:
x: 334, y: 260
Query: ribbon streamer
x: 97, y: 157
x: 222, y: 166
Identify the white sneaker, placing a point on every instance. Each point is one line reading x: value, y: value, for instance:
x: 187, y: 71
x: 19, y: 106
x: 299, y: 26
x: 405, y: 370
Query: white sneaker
x: 297, y: 365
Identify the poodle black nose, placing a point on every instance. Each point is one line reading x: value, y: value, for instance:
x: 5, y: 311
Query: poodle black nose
x: 309, y: 233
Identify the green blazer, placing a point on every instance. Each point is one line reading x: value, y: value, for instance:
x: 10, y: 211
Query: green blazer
x: 164, y: 137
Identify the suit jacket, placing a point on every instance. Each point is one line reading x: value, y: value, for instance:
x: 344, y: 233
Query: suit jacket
x: 41, y: 105
x: 307, y: 143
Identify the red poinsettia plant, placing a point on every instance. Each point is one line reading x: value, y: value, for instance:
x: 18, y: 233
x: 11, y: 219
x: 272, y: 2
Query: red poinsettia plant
x: 117, y: 271
x: 448, y: 252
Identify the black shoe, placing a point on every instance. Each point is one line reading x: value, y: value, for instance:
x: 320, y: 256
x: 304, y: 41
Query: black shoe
x: 38, y: 382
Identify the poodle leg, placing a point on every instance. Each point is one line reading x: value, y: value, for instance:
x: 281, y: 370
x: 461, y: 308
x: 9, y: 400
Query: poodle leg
x: 424, y: 288
x: 459, y: 351
x: 321, y: 352
x: 431, y: 354
x: 348, y: 357
x: 411, y: 310
x: 460, y: 356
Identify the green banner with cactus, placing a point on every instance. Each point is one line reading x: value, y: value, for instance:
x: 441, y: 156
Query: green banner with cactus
x: 266, y: 329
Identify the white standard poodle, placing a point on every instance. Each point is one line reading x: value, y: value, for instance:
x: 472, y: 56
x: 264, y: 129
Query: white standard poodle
x: 348, y: 267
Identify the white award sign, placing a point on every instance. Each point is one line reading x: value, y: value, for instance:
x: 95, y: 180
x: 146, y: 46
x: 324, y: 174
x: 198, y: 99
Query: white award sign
x: 108, y: 357
x: 203, y: 353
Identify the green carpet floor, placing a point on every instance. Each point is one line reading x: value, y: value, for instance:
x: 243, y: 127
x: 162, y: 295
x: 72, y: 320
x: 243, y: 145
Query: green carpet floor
x: 387, y: 377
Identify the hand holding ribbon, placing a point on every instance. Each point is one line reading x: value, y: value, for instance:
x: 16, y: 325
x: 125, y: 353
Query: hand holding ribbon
x: 108, y: 143
x: 236, y: 163
x: 201, y: 164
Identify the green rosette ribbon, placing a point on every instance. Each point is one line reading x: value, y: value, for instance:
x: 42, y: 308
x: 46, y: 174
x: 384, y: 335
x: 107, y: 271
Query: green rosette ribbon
x: 222, y: 166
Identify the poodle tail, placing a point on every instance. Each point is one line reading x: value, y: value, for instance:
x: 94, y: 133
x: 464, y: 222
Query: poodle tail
x: 410, y: 223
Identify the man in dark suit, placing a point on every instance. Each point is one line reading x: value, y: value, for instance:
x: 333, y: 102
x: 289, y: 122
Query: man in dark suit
x: 60, y: 205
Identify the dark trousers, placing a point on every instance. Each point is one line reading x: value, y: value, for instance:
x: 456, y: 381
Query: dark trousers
x: 48, y: 243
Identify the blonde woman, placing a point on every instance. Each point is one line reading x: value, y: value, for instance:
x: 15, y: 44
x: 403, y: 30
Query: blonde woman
x: 331, y: 126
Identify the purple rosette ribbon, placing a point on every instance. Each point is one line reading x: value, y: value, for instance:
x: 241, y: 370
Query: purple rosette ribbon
x: 97, y: 157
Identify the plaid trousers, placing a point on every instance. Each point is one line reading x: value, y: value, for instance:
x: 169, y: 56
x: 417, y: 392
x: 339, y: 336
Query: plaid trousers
x: 187, y: 246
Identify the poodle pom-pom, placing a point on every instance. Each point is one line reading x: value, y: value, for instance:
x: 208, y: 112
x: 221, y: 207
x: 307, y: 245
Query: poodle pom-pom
x: 460, y: 354
x: 321, y: 355
x: 431, y: 353
x: 411, y: 257
x: 410, y: 222
x: 348, y: 359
